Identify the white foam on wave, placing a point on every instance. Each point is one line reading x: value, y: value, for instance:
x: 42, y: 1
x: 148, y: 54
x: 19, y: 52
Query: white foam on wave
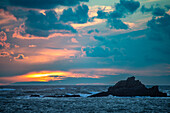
x: 7, y: 89
x: 60, y: 88
x: 86, y: 95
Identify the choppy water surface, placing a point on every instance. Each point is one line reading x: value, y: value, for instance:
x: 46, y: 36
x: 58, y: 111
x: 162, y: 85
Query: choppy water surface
x: 17, y: 99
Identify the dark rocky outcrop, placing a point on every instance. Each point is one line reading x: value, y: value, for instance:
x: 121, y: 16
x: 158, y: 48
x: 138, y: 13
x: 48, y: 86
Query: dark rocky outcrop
x: 71, y: 95
x: 131, y: 87
x: 50, y: 96
x: 35, y: 96
x: 102, y: 94
x: 54, y: 96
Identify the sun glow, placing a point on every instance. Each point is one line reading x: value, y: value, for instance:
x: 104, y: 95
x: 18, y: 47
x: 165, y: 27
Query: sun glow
x: 45, y: 76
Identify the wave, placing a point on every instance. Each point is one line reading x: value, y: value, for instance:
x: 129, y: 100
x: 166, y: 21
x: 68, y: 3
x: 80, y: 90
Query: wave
x: 7, y: 89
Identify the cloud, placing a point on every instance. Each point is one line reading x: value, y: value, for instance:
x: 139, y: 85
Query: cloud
x: 155, y: 11
x: 122, y: 9
x: 4, y: 54
x: 5, y: 45
x: 39, y: 25
x: 73, y: 40
x: 94, y: 9
x: 3, y: 39
x: 162, y: 25
x: 45, y: 76
x: 6, y: 18
x: 98, y: 51
x: 117, y: 24
x: 32, y: 46
x: 43, y: 4
x: 19, y: 32
x: 167, y: 6
x: 144, y: 9
x: 19, y: 57
x: 44, y: 56
x: 149, y: 71
x: 93, y: 31
x: 99, y: 38
x: 3, y: 36
x: 79, y: 15
x: 91, y: 23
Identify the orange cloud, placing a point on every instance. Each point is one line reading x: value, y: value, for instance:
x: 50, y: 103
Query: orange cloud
x: 74, y: 40
x: 20, y: 57
x: 3, y: 36
x: 46, y: 55
x: 16, y: 46
x: 4, y: 54
x: 5, y: 45
x: 45, y: 76
x: 32, y: 46
x: 6, y: 17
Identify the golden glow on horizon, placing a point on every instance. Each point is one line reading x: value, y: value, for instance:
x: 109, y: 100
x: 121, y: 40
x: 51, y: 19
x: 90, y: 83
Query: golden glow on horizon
x: 45, y: 76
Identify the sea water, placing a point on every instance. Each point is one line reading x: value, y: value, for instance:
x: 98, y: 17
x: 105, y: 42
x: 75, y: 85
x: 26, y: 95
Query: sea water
x: 15, y: 99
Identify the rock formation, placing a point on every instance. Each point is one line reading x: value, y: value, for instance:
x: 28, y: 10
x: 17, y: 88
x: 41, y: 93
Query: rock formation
x: 35, y: 96
x: 131, y: 87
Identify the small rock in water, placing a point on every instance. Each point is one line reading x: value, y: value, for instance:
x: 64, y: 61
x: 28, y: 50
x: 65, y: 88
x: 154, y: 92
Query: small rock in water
x: 50, y: 96
x: 35, y: 96
x: 71, y: 95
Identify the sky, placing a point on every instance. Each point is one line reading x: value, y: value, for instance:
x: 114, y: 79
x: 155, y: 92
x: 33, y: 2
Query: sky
x: 84, y: 42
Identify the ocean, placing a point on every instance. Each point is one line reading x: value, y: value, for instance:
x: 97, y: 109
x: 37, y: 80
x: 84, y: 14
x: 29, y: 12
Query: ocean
x: 43, y: 99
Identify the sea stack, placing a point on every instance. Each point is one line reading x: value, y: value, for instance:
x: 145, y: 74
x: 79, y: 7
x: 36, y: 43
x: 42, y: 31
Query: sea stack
x: 131, y: 87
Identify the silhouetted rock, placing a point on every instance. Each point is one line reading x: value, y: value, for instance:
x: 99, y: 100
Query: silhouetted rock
x: 35, y: 96
x: 71, y: 95
x: 68, y: 96
x: 131, y: 87
x: 102, y: 94
x: 50, y: 96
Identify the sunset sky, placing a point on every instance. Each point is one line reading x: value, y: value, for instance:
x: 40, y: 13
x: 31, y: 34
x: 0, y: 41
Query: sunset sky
x: 84, y: 42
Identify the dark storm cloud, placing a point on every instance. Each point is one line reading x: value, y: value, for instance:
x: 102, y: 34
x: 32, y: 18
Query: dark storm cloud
x: 19, y: 13
x: 155, y: 11
x: 39, y: 24
x: 159, y: 28
x: 43, y: 4
x: 127, y: 6
x: 80, y: 15
x: 117, y: 24
x: 100, y: 51
x: 93, y: 31
x: 144, y: 9
x: 97, y: 52
x: 99, y: 38
x: 122, y: 9
x: 167, y: 6
x: 131, y: 49
x: 102, y: 15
